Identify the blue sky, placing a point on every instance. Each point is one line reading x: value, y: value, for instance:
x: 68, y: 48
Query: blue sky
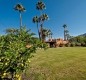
x: 70, y: 12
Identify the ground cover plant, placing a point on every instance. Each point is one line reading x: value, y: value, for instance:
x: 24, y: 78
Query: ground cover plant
x: 64, y: 63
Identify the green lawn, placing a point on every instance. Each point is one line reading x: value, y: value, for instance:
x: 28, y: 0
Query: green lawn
x: 64, y: 63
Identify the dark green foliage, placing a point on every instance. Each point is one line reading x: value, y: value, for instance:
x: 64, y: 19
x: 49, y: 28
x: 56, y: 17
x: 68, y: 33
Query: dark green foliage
x: 15, y: 51
x: 40, y: 5
x: 72, y: 44
x: 68, y: 44
x: 19, y: 7
x: 40, y: 20
x: 79, y: 41
x: 78, y: 44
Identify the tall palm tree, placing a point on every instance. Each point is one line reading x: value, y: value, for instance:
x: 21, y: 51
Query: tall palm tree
x: 21, y: 9
x: 42, y: 18
x: 40, y: 6
x: 66, y: 34
x: 64, y: 26
x: 50, y: 34
x: 36, y: 20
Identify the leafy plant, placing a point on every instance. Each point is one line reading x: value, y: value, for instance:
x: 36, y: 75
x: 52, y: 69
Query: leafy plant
x: 15, y: 51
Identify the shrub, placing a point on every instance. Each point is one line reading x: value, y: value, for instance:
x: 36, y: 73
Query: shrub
x: 72, y: 44
x: 68, y: 44
x: 78, y: 44
x: 83, y: 44
x: 15, y: 51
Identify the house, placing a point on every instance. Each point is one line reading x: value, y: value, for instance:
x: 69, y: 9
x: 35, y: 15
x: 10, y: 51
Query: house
x: 56, y: 42
x: 51, y: 42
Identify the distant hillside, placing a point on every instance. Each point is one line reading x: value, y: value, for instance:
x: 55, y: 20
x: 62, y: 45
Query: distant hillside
x: 82, y: 34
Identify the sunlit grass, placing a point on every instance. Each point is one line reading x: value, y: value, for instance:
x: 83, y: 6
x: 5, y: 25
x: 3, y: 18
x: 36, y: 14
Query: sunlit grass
x: 58, y: 64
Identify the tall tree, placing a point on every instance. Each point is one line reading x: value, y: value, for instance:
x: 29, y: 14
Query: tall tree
x: 21, y: 9
x: 50, y: 34
x: 42, y: 18
x: 36, y: 20
x: 64, y: 26
x: 67, y: 34
x: 41, y: 6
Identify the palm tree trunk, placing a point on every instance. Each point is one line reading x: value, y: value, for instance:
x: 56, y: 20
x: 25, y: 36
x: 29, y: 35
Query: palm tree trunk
x: 51, y: 36
x: 20, y: 20
x: 64, y: 34
x: 41, y: 31
x: 38, y: 31
x: 41, y: 26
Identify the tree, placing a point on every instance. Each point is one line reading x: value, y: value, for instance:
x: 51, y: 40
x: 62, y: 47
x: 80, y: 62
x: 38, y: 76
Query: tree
x: 42, y: 18
x: 50, y: 34
x: 64, y: 26
x: 46, y: 33
x: 41, y: 6
x: 21, y: 9
x: 67, y: 34
x: 36, y: 20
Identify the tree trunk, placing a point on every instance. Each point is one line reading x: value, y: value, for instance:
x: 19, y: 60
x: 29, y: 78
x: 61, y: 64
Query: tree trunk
x: 41, y: 32
x: 64, y: 34
x: 20, y: 20
x: 38, y: 31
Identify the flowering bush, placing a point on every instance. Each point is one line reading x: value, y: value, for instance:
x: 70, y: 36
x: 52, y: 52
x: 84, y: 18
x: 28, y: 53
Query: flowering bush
x: 15, y: 50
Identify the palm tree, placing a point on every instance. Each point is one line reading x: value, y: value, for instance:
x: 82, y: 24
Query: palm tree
x: 42, y: 18
x: 21, y: 9
x: 46, y: 33
x: 50, y: 34
x: 64, y: 26
x: 66, y: 34
x: 40, y: 6
x: 36, y: 20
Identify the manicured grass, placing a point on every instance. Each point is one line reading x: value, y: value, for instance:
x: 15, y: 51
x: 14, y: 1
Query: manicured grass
x: 64, y: 63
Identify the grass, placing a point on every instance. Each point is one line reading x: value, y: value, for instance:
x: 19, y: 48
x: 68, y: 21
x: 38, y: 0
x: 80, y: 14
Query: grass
x: 64, y: 63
